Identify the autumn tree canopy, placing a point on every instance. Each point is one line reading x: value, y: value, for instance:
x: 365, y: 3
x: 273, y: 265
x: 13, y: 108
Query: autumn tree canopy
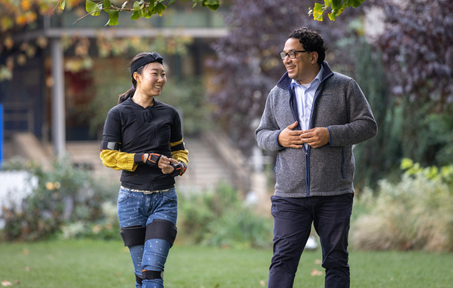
x: 417, y: 48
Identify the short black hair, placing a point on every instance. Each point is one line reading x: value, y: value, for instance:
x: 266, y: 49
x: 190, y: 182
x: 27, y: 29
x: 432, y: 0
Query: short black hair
x: 311, y: 41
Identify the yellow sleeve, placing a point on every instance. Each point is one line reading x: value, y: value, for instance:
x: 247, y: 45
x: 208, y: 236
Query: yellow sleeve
x: 181, y: 155
x: 179, y: 151
x: 118, y: 160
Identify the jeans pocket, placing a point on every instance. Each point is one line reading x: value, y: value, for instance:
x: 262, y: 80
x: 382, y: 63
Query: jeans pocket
x: 123, y: 195
x: 170, y: 195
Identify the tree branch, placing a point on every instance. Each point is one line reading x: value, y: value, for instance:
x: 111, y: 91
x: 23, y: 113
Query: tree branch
x: 112, y: 6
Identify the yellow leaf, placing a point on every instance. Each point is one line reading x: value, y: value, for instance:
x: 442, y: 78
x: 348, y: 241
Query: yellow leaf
x: 8, y: 42
x: 6, y: 23
x: 6, y: 283
x: 331, y: 16
x: 25, y: 5
x: 317, y: 12
x: 316, y: 272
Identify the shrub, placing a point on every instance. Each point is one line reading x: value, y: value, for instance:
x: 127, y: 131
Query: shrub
x: 62, y: 195
x: 107, y: 228
x: 414, y: 214
x: 219, y: 218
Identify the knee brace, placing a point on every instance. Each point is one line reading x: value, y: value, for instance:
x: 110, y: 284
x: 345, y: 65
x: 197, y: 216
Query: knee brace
x: 133, y: 235
x: 149, y: 275
x: 161, y: 229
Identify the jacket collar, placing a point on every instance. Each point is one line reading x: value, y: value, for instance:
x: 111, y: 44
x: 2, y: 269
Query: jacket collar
x: 131, y: 102
x: 285, y: 81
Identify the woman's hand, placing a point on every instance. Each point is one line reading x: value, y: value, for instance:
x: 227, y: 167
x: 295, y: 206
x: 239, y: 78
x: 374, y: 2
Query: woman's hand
x: 164, y: 164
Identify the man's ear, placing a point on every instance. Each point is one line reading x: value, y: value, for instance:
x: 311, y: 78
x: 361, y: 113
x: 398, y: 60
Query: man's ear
x: 314, y: 57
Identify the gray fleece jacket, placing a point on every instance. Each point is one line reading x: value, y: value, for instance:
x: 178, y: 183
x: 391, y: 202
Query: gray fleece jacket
x: 339, y: 105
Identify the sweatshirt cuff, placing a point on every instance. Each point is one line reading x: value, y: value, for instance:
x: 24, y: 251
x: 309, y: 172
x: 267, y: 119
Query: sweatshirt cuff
x: 276, y: 140
x: 138, y: 158
x: 330, y: 137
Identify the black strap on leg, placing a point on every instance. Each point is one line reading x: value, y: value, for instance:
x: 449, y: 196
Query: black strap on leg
x: 133, y: 235
x: 161, y: 229
x: 138, y: 279
x: 150, y: 275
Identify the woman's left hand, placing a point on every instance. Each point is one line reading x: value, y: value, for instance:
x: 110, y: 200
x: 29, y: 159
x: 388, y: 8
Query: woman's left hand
x: 164, y: 164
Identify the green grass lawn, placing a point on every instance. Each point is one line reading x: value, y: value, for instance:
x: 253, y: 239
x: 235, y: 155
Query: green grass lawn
x: 84, y: 263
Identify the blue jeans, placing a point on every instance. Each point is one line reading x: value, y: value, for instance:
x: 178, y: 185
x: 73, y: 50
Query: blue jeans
x: 293, y: 218
x: 136, y: 208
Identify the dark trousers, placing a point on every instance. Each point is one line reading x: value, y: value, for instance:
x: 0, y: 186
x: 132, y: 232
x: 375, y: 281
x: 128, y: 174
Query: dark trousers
x: 293, y: 218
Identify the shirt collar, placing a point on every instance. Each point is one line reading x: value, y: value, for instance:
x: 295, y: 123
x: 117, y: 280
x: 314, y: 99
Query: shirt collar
x: 318, y: 78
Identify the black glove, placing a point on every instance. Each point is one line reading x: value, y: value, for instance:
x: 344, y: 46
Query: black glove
x: 180, y: 168
x: 153, y: 159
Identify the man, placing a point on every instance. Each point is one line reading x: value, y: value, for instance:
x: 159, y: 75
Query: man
x: 313, y: 117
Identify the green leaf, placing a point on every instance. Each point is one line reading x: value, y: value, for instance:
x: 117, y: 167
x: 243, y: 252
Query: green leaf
x: 113, y: 18
x: 124, y: 5
x: 135, y: 15
x: 93, y: 8
x: 106, y: 5
x: 172, y: 2
x: 317, y: 12
x: 62, y: 4
x: 159, y: 8
x: 98, y: 10
x: 148, y: 12
x: 336, y: 4
x: 90, y: 6
x: 356, y: 3
x: 136, y: 6
x: 211, y: 4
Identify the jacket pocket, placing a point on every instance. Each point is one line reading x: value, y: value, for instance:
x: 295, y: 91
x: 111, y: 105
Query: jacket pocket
x: 290, y: 171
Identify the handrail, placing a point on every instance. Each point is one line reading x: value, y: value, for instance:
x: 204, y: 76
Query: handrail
x: 17, y: 112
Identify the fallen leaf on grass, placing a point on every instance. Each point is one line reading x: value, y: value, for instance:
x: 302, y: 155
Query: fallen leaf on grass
x: 6, y: 283
x: 316, y: 272
x: 25, y: 251
x: 262, y: 283
x: 318, y: 261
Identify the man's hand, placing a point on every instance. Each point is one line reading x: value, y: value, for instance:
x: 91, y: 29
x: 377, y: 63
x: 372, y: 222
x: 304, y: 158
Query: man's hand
x: 164, y: 164
x: 316, y: 137
x: 290, y: 138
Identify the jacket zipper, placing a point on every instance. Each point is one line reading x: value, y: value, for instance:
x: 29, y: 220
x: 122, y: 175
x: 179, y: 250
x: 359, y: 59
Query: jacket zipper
x: 307, y: 151
x: 307, y: 170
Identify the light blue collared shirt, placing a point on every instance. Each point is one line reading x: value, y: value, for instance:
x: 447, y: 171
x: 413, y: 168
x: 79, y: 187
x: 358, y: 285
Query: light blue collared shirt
x: 305, y: 94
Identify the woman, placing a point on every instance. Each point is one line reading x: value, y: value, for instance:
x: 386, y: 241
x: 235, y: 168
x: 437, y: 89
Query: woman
x: 143, y: 137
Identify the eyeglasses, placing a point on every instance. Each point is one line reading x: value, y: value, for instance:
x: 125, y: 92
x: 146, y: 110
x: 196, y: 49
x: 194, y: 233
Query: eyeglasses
x: 291, y: 54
